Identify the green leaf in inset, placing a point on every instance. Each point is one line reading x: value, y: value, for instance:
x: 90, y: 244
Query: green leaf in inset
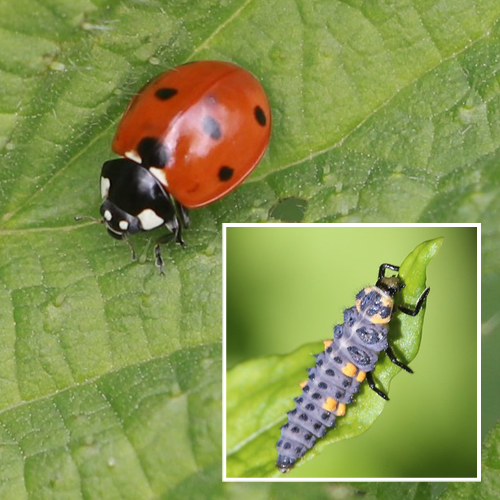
x: 260, y: 391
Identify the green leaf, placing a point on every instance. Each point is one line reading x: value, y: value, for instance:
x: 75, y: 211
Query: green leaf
x: 399, y: 122
x: 260, y: 391
x: 489, y: 487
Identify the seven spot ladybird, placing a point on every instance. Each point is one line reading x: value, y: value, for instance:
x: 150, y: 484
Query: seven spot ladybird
x: 188, y: 138
x: 345, y: 363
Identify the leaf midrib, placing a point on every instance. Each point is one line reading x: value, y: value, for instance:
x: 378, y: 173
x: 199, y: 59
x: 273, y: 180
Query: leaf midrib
x: 107, y: 373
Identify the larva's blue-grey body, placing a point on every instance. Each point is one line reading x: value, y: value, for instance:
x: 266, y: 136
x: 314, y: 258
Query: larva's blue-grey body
x: 339, y: 370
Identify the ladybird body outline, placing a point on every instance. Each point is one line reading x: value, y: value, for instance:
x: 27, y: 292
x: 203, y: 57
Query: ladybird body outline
x: 189, y: 137
x: 343, y: 365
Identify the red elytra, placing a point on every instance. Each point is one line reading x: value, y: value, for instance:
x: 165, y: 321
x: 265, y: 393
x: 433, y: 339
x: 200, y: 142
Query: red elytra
x: 204, y: 126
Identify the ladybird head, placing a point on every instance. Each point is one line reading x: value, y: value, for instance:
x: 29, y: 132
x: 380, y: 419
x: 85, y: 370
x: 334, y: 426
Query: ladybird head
x: 118, y: 222
x: 391, y: 284
x: 133, y: 199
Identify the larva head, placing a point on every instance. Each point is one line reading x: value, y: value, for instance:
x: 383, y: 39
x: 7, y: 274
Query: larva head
x: 391, y: 285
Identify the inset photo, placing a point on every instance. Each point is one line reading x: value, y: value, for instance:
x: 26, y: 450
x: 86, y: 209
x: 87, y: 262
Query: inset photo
x: 351, y: 352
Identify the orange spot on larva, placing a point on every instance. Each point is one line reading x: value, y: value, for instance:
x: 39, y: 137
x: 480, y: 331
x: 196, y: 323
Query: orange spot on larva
x: 329, y: 404
x: 349, y: 370
x: 340, y: 410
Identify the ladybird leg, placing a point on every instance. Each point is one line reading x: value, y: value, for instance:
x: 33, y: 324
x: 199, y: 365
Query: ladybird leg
x: 371, y: 385
x: 174, y: 225
x: 418, y: 305
x: 159, y: 259
x: 183, y: 214
x: 132, y: 249
x: 178, y: 236
x: 383, y: 267
x: 166, y: 238
x: 396, y: 361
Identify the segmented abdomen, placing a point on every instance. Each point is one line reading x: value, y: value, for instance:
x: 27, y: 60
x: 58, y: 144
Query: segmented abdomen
x: 339, y: 370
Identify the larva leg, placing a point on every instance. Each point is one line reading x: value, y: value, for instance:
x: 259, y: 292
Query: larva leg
x: 371, y: 385
x: 418, y: 306
x: 396, y: 361
x: 383, y: 267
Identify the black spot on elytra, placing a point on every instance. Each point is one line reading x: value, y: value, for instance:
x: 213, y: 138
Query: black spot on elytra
x: 165, y: 93
x: 152, y: 152
x: 260, y: 116
x: 211, y: 127
x: 225, y: 173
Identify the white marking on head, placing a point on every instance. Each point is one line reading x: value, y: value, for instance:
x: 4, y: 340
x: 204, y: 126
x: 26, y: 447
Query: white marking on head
x: 132, y: 155
x: 159, y: 173
x: 123, y: 225
x: 105, y: 184
x: 107, y: 215
x: 149, y: 220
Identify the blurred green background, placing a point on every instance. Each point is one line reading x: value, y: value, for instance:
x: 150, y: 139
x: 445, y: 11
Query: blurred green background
x: 287, y: 286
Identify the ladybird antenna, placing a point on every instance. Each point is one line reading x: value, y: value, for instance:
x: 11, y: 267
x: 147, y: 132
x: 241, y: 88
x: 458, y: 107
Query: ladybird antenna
x: 79, y: 218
